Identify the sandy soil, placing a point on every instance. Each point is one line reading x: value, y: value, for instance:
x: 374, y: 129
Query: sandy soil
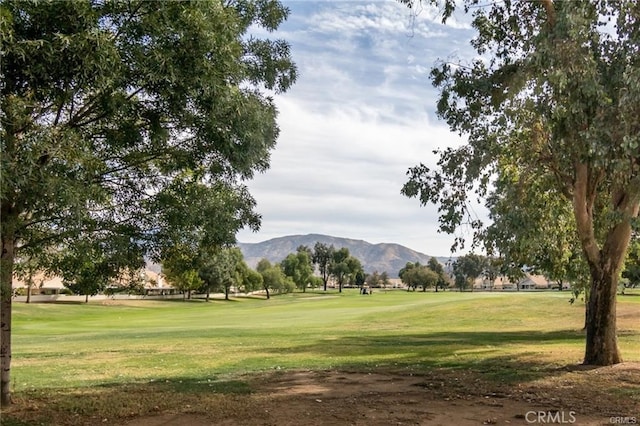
x: 572, y: 395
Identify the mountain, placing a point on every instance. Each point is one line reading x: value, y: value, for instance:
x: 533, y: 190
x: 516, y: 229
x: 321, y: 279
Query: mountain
x: 374, y: 257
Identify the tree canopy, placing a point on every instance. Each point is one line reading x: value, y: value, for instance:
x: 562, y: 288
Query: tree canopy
x: 299, y: 268
x: 112, y: 111
x: 322, y: 258
x: 549, y: 106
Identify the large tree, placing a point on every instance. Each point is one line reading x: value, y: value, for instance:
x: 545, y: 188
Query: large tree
x: 344, y: 267
x: 299, y: 268
x: 322, y: 258
x: 104, y: 104
x: 273, y: 278
x: 437, y: 267
x: 221, y: 269
x: 555, y: 93
x: 467, y: 268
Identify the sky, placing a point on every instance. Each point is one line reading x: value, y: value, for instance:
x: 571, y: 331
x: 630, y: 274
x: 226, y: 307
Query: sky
x: 361, y: 113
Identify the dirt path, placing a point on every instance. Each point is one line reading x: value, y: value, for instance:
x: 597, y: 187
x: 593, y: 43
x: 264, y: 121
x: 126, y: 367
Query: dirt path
x: 581, y: 397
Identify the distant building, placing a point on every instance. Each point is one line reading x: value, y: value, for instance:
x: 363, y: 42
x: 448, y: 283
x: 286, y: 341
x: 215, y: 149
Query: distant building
x: 151, y: 283
x: 528, y: 283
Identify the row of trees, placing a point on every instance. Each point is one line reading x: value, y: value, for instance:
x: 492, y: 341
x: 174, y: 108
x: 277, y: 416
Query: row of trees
x: 569, y: 269
x: 219, y: 270
x: 415, y: 275
x: 336, y: 263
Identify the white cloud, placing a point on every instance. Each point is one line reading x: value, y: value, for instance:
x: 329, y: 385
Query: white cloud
x: 360, y: 115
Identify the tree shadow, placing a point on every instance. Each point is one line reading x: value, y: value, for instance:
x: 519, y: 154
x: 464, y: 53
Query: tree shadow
x: 479, y: 351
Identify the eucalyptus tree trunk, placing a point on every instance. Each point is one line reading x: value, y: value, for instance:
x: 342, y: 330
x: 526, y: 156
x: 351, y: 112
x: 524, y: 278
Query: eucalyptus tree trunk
x: 602, y: 341
x: 605, y: 263
x: 6, y: 276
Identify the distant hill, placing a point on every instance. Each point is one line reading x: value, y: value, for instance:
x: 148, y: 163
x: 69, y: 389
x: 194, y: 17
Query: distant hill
x: 374, y: 257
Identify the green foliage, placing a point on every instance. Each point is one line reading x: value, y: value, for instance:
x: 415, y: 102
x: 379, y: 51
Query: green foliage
x: 181, y: 276
x: 467, y: 268
x: 344, y: 267
x: 299, y: 268
x: 223, y: 269
x: 631, y: 270
x: 415, y: 275
x: 88, y: 267
x: 105, y: 104
x: 322, y: 258
x: 437, y: 267
x: 252, y: 281
x: 274, y: 279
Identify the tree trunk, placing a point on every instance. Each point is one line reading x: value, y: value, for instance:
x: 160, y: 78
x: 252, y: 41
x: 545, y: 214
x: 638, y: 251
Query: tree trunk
x: 226, y: 293
x: 586, y: 312
x: 604, y: 265
x: 6, y: 276
x: 267, y: 290
x: 86, y: 298
x: 602, y: 342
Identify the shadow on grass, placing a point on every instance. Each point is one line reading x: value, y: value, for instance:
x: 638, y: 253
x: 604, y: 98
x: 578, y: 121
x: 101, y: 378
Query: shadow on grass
x: 188, y: 385
x: 481, y: 352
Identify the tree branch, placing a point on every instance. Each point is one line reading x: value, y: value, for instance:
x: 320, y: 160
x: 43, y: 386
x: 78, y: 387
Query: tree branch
x: 551, y: 12
x: 583, y: 210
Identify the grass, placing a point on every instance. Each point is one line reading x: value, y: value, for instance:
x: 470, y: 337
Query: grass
x: 64, y: 351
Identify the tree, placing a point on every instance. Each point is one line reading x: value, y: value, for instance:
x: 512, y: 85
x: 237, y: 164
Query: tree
x: 90, y: 264
x: 105, y: 103
x: 526, y: 238
x: 467, y: 268
x: 252, y: 281
x: 222, y: 270
x: 299, y: 268
x: 180, y: 268
x: 406, y: 276
x: 359, y: 278
x: 273, y: 279
x: 384, y: 279
x: 373, y: 280
x: 322, y: 258
x: 344, y: 267
x: 415, y: 275
x: 556, y: 94
x: 437, y: 267
x: 185, y: 281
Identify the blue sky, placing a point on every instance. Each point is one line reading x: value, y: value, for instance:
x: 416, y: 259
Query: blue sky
x: 361, y: 113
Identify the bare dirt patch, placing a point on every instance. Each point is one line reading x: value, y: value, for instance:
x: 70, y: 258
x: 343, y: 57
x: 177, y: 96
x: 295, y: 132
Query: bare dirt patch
x: 582, y: 396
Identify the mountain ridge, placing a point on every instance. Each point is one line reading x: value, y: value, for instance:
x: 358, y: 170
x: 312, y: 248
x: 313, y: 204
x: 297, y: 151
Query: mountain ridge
x: 381, y: 257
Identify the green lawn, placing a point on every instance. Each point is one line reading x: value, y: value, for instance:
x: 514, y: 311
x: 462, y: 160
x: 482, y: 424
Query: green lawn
x: 62, y: 350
